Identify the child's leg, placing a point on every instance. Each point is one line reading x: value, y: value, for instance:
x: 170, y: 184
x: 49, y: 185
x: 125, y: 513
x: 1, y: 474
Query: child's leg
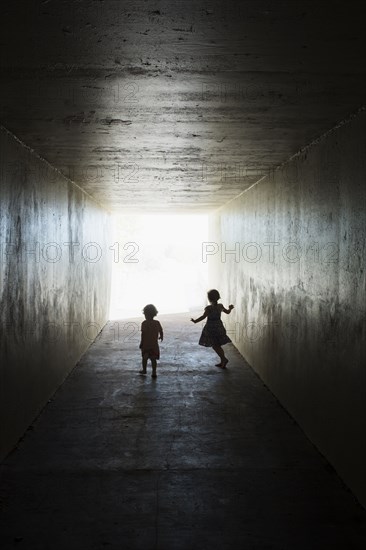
x: 153, y: 364
x: 144, y: 364
x: 221, y: 354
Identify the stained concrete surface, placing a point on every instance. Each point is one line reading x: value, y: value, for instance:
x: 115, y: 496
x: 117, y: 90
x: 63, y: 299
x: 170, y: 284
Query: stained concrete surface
x: 198, y: 459
x: 298, y: 283
x: 180, y: 104
x: 55, y: 271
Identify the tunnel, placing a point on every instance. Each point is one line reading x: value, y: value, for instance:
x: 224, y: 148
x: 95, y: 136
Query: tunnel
x: 232, y: 136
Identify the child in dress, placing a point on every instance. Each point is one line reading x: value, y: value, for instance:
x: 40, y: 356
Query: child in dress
x: 151, y: 330
x: 214, y: 333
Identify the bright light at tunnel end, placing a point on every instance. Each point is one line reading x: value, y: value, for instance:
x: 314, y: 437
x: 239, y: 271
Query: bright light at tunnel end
x: 159, y: 262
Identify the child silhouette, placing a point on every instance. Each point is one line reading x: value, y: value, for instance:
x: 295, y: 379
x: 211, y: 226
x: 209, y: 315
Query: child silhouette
x: 214, y: 333
x: 151, y: 330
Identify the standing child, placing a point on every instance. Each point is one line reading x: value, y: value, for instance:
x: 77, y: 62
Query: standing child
x: 214, y: 333
x: 151, y: 331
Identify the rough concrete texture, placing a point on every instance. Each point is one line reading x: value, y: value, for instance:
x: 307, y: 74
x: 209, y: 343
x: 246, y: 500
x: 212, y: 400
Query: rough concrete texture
x: 54, y: 296
x: 198, y: 459
x: 300, y: 301
x: 177, y: 104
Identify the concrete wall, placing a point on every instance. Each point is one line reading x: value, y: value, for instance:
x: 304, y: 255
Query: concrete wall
x: 48, y: 298
x: 300, y: 303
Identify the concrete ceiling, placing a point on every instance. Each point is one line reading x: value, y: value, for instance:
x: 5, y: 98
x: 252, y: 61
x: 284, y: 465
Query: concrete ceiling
x: 176, y: 105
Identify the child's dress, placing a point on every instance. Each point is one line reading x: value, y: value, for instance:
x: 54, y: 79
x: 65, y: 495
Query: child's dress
x: 214, y: 333
x: 150, y: 330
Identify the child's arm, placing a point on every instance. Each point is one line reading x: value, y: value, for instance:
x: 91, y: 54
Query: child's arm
x: 203, y: 316
x: 227, y: 310
x: 140, y: 346
x: 161, y: 335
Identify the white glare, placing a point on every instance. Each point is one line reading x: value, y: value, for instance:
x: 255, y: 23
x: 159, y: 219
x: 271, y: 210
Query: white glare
x: 160, y: 262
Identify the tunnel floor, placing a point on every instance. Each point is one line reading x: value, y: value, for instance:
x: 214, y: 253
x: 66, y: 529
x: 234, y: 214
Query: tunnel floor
x: 200, y: 458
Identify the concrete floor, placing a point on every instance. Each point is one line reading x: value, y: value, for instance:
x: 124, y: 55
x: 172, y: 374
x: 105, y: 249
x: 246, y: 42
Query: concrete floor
x: 199, y: 458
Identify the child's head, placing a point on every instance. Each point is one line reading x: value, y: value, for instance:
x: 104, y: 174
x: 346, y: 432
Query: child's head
x: 150, y: 311
x: 213, y: 295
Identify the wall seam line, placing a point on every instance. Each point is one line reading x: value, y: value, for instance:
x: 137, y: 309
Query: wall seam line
x: 300, y: 152
x: 57, y: 170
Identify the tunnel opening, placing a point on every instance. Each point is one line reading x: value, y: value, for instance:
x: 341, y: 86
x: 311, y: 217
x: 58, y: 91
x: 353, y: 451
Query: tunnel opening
x: 157, y: 258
